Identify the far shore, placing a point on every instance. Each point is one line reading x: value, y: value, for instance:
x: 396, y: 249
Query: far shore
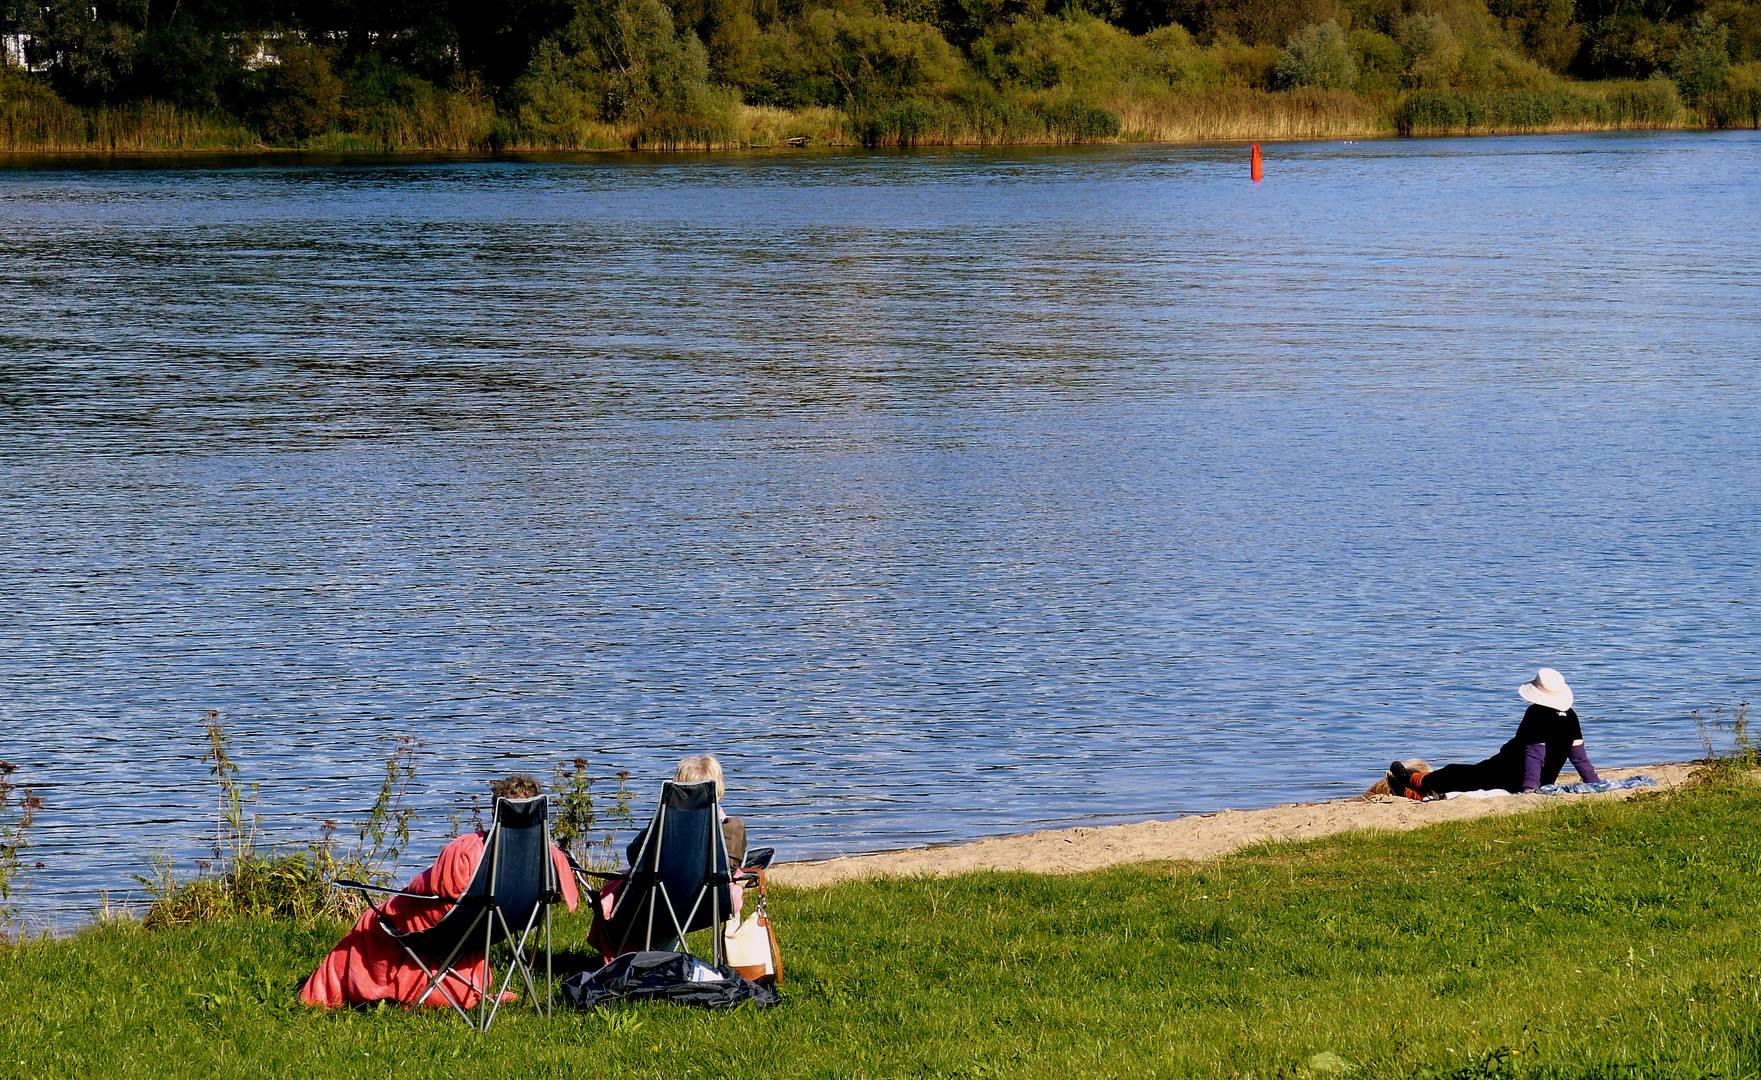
x: 25, y: 156
x: 1193, y: 838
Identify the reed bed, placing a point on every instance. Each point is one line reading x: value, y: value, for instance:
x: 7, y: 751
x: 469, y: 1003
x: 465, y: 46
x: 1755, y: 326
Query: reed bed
x: 1650, y: 105
x: 444, y: 122
x: 41, y: 123
x: 47, y: 125
x: 1234, y: 113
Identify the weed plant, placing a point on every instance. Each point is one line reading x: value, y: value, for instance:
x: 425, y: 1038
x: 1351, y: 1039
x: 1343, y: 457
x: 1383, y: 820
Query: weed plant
x: 247, y: 878
x: 1743, y: 754
x: 1606, y: 939
x: 18, y: 811
x: 585, y: 829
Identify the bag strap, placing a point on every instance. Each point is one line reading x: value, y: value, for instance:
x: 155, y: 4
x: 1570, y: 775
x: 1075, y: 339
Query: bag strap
x: 762, y: 915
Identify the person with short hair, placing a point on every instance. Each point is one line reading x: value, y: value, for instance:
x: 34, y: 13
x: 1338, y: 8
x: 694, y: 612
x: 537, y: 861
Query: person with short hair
x: 1548, y: 735
x: 366, y: 965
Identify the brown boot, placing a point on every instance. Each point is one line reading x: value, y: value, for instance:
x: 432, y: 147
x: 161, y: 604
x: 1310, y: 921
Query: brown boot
x: 1415, y: 785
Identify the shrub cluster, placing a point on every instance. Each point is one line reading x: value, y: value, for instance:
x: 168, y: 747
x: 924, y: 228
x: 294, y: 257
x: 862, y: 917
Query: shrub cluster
x: 585, y: 73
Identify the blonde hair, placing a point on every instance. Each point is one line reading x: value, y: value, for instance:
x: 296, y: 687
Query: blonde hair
x: 695, y: 770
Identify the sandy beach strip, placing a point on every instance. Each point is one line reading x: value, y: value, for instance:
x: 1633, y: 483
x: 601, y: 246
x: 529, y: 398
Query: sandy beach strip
x: 1192, y: 838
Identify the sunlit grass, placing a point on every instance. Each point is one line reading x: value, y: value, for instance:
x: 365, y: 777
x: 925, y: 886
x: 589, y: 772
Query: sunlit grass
x: 1603, y: 939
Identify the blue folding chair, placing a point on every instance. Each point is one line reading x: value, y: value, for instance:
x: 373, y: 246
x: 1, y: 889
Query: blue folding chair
x: 511, y: 892
x: 677, y: 882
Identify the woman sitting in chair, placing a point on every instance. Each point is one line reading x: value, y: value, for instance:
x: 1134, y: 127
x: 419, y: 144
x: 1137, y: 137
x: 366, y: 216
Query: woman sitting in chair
x: 367, y: 965
x: 692, y: 770
x: 695, y: 770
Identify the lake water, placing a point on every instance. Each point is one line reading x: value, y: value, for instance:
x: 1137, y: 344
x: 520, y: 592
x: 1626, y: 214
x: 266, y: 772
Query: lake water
x: 942, y: 494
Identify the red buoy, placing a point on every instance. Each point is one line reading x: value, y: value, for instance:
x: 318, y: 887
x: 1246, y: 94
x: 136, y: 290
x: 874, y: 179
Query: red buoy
x: 1256, y: 163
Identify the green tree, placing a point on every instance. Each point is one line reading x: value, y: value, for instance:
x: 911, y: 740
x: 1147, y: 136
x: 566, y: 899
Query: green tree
x: 618, y: 61
x: 89, y: 49
x: 864, y: 59
x: 1627, y: 45
x: 300, y: 96
x: 1431, y: 43
x: 1547, y: 29
x: 1702, y: 64
x: 1319, y: 56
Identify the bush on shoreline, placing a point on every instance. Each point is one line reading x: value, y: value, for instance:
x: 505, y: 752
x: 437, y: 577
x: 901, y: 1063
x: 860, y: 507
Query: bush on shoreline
x: 247, y: 879
x: 635, y: 74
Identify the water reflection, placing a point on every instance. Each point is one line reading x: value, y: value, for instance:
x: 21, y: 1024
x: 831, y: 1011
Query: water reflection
x: 941, y: 494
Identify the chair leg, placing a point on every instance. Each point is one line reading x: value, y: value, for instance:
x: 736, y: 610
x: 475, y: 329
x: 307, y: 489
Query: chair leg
x: 437, y: 978
x: 519, y: 963
x: 436, y: 982
x: 485, y: 1014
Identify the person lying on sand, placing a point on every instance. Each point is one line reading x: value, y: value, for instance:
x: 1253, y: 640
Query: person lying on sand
x: 366, y: 965
x: 1549, y: 733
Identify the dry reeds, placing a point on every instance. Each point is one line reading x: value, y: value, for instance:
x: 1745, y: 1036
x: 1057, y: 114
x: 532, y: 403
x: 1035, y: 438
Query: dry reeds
x: 45, y: 124
x: 1235, y: 113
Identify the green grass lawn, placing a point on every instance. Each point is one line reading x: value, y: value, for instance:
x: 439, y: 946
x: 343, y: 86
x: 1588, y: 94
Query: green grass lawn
x: 1595, y: 939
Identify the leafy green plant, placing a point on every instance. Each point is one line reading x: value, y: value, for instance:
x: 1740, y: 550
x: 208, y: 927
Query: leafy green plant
x: 235, y: 838
x: 385, y: 831
x: 586, y: 829
x: 1702, y: 64
x: 1744, y: 752
x: 295, y: 881
x: 18, y: 811
x: 1319, y: 56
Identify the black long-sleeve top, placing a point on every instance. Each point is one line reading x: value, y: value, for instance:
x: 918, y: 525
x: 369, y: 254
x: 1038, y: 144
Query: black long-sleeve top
x: 1541, y: 745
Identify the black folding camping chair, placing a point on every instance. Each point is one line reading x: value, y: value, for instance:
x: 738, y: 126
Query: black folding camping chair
x: 678, y: 881
x: 513, y: 888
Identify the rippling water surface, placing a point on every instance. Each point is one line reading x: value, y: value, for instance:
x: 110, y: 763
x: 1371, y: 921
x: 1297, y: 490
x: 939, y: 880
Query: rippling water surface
x: 942, y: 495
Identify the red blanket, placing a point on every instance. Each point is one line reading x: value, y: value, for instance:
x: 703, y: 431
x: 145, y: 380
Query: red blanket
x: 367, y: 966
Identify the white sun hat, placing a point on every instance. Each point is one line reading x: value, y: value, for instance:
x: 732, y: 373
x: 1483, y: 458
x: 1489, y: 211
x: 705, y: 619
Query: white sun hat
x: 1548, y: 689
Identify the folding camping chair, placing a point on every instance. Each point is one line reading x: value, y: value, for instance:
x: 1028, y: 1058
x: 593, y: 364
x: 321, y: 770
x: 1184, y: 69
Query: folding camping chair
x: 678, y: 881
x: 514, y: 886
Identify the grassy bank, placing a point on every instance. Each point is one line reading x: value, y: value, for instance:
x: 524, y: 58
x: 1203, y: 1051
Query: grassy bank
x: 1603, y: 939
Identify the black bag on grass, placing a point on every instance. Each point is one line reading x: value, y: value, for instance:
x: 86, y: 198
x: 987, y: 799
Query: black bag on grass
x: 667, y: 976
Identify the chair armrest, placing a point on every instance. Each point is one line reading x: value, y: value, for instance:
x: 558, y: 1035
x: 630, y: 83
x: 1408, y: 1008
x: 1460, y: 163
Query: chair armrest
x: 361, y: 886
x: 582, y: 871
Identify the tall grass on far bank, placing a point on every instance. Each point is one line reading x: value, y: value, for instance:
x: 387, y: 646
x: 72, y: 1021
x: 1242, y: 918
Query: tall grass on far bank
x: 33, y: 119
x: 1226, y: 113
x: 1598, y: 939
x: 40, y: 126
x: 1650, y: 104
x: 1737, y: 103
